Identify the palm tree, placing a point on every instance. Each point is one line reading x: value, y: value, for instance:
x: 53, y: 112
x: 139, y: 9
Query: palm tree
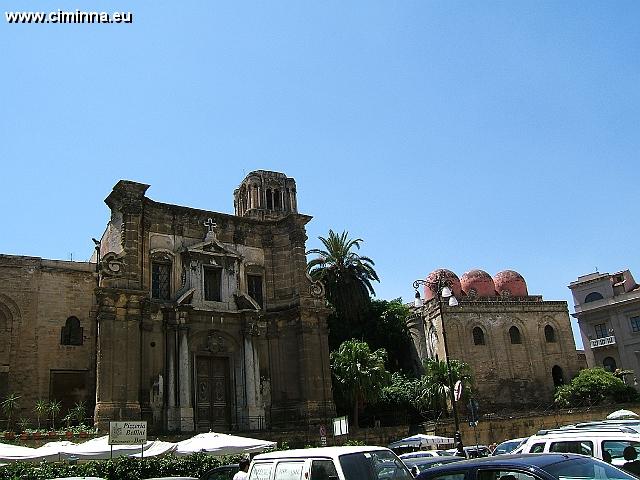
x: 346, y: 275
x: 359, y: 373
x: 436, y: 381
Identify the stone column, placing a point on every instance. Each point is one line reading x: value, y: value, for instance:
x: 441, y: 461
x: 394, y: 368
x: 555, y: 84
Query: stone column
x: 173, y: 422
x: 255, y: 407
x: 184, y: 375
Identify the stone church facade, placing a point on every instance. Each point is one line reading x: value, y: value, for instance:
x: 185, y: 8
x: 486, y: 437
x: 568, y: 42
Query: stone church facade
x: 193, y: 320
x: 519, y: 346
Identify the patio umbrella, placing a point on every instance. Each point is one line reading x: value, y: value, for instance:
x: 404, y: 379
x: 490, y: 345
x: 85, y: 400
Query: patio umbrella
x: 622, y: 415
x: 221, y: 444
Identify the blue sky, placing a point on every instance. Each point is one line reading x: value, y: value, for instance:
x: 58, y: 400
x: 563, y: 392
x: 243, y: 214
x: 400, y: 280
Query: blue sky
x: 493, y: 135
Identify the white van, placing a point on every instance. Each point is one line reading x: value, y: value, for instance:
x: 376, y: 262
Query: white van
x: 329, y: 463
x: 594, y: 442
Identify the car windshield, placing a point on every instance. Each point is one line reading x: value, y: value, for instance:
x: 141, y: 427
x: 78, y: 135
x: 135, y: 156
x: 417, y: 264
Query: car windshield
x: 376, y: 465
x: 506, y: 447
x: 586, y: 469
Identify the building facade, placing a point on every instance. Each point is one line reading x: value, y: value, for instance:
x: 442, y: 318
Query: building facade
x: 191, y: 319
x: 519, y: 346
x: 607, y: 307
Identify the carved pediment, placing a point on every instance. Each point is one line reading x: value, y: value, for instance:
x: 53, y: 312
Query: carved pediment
x: 213, y: 247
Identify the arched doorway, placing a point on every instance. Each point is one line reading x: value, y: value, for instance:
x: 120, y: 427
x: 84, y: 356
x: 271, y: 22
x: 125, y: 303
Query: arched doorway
x: 609, y: 364
x: 558, y: 376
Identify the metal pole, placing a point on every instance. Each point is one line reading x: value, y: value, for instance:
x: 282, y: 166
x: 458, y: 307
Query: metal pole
x: 457, y: 437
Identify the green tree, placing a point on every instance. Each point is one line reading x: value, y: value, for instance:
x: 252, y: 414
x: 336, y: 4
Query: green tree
x: 359, y: 373
x: 346, y: 276
x: 592, y: 386
x: 386, y: 327
x: 9, y: 406
x: 435, y: 382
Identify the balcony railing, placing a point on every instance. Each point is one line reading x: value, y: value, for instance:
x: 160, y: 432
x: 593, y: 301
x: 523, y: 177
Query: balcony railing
x: 603, y: 342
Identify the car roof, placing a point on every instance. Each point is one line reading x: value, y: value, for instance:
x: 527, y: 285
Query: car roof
x: 326, y: 452
x: 525, y: 460
x: 591, y: 432
x: 426, y: 460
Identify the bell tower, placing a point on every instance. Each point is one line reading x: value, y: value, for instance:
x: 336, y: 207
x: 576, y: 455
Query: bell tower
x: 265, y: 195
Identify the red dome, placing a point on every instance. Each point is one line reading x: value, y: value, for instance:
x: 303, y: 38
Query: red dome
x: 510, y: 283
x: 449, y: 275
x: 478, y: 283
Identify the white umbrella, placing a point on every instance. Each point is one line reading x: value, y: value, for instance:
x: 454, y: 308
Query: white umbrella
x: 99, y: 448
x: 421, y: 440
x: 623, y: 414
x: 220, y: 444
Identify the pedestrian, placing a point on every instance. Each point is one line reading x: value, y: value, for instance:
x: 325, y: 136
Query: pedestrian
x: 244, y: 468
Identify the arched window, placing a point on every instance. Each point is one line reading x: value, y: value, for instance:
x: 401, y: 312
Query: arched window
x: 161, y: 277
x: 558, y: 376
x: 269, y: 199
x: 592, y: 297
x: 514, y: 334
x: 71, y: 333
x: 609, y: 364
x: 478, y: 336
x: 549, y: 334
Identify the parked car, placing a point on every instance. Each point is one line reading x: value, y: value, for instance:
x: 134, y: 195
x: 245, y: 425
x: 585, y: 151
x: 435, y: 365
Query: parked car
x: 474, y: 451
x: 420, y: 464
x: 425, y: 453
x: 223, y: 472
x: 329, y: 463
x: 585, y: 441
x: 508, y: 446
x: 547, y: 466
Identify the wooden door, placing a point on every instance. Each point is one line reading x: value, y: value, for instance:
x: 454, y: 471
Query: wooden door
x: 213, y: 408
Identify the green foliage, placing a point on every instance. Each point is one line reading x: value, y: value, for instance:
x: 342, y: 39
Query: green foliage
x: 592, y: 386
x: 53, y: 408
x: 346, y: 276
x: 359, y: 374
x: 354, y: 443
x: 386, y: 327
x: 123, y: 468
x: 436, y: 382
x: 9, y: 406
x: 40, y: 408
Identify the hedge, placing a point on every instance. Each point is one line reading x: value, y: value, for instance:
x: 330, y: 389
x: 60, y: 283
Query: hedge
x: 122, y: 468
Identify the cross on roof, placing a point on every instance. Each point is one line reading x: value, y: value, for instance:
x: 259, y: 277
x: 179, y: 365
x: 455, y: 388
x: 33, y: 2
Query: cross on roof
x: 210, y: 224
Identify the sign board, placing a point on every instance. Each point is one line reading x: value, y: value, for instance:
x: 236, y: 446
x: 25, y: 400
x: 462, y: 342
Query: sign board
x: 457, y: 390
x: 340, y: 426
x: 323, y: 441
x: 323, y: 431
x: 128, y: 433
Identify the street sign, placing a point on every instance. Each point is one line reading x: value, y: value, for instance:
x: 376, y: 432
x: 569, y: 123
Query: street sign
x: 323, y: 441
x: 457, y: 390
x: 127, y: 433
x: 323, y: 431
x: 340, y: 426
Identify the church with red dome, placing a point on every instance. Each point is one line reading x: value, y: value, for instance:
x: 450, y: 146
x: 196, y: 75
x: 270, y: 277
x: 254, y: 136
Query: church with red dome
x: 519, y: 346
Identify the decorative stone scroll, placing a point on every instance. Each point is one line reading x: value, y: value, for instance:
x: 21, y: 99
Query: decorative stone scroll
x: 111, y: 265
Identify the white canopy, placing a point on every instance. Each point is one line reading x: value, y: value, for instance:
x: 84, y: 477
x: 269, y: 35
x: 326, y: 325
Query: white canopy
x: 220, y: 444
x: 421, y: 440
x: 11, y: 453
x: 623, y: 414
x: 99, y: 448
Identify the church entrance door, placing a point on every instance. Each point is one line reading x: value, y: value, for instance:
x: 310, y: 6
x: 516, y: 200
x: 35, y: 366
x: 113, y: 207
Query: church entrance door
x: 213, y: 408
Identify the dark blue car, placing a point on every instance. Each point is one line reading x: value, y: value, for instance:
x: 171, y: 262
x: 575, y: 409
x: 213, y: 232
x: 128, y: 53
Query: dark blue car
x: 545, y: 466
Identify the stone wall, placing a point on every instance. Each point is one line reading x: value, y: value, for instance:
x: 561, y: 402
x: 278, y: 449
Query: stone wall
x: 499, y: 429
x: 37, y: 296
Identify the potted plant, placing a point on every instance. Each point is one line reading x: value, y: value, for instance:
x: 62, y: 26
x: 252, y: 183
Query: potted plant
x: 9, y: 406
x: 53, y: 407
x: 41, y: 407
x: 24, y: 426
